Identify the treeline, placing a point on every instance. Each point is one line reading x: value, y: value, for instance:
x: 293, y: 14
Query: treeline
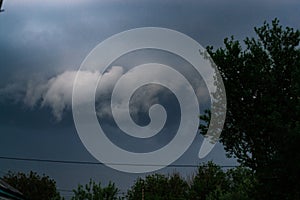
x: 209, y: 182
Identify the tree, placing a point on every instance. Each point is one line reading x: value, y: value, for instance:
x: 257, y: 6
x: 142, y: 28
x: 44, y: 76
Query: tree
x: 262, y: 128
x: 94, y: 191
x: 159, y: 187
x: 241, y: 184
x: 33, y: 186
x: 213, y: 183
x: 208, y: 179
x: 209, y: 183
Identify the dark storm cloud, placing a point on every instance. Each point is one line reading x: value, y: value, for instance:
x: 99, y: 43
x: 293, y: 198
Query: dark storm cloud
x: 40, y: 40
x: 47, y: 40
x: 50, y: 37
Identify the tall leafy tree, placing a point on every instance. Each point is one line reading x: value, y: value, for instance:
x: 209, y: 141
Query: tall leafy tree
x: 33, y: 186
x: 211, y: 182
x: 262, y: 128
x: 159, y: 187
x: 208, y: 179
x: 94, y: 191
x: 240, y: 184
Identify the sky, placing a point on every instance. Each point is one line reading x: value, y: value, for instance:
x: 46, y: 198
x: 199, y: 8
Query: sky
x: 42, y: 45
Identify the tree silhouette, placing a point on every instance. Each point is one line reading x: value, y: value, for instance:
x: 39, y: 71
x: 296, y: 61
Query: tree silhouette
x: 94, y: 191
x: 33, y: 186
x: 262, y: 128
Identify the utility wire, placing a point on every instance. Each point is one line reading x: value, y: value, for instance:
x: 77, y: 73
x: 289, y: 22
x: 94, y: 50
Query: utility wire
x: 98, y: 163
x: 65, y: 190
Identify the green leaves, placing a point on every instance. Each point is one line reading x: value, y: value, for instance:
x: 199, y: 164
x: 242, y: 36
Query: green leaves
x: 33, y: 186
x: 94, y: 191
x: 262, y: 88
x: 209, y: 182
x: 159, y: 187
x: 208, y: 179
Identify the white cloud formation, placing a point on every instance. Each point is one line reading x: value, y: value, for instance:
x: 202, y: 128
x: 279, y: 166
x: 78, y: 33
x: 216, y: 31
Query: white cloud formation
x: 56, y: 93
x: 147, y: 96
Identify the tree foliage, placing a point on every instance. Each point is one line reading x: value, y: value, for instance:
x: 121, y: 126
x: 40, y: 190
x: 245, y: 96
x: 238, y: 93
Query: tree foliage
x: 262, y: 128
x: 209, y: 178
x: 210, y: 182
x: 33, y: 186
x: 159, y: 187
x: 94, y: 191
x: 213, y: 183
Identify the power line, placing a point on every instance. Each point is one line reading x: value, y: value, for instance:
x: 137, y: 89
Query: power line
x: 65, y: 190
x: 98, y: 163
x: 72, y: 191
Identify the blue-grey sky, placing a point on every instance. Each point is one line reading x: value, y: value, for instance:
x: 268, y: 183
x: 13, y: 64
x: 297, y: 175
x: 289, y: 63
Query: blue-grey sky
x: 43, y: 43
